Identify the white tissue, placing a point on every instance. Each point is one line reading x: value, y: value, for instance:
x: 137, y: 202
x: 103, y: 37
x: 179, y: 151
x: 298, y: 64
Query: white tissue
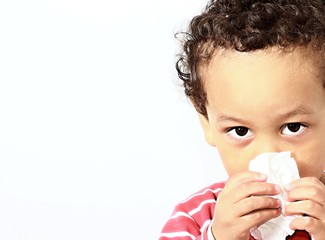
x: 281, y: 169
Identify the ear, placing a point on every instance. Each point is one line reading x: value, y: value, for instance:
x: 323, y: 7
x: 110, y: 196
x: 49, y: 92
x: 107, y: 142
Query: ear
x: 207, y: 129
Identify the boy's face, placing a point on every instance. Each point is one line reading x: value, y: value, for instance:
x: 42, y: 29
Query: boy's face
x: 265, y: 101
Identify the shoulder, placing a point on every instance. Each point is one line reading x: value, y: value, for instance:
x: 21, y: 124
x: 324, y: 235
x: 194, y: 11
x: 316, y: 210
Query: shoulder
x: 202, y: 201
x: 207, y: 193
x: 193, y: 216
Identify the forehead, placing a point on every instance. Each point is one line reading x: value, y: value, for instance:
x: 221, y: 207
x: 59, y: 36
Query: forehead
x: 261, y: 80
x: 262, y: 63
x: 306, y: 56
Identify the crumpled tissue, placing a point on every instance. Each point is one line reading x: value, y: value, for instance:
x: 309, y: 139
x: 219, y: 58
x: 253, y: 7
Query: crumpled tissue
x: 281, y: 169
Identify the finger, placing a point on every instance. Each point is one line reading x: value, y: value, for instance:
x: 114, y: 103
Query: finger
x: 314, y: 227
x: 310, y: 188
x: 307, y: 207
x: 238, y: 186
x: 255, y: 189
x: 254, y: 203
x: 245, y: 177
x: 257, y: 218
x: 306, y: 181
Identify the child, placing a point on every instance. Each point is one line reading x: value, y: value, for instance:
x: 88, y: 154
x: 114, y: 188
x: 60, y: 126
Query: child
x: 255, y: 72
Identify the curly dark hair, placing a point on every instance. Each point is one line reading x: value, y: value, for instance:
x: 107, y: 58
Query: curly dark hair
x: 245, y: 26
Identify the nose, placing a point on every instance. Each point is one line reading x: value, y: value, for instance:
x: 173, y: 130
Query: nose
x: 268, y: 144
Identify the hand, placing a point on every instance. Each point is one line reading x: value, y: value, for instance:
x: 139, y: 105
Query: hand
x: 243, y: 204
x: 307, y: 198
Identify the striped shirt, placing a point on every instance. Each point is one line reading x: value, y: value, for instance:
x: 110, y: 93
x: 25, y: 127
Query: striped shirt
x: 192, y: 218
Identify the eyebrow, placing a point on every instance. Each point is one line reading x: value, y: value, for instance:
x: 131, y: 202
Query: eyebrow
x: 294, y: 112
x: 228, y: 118
x: 297, y: 111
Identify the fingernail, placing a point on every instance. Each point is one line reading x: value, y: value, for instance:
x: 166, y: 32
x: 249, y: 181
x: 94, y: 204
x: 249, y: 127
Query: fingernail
x: 278, y: 188
x: 262, y: 176
x: 279, y: 203
x: 279, y: 211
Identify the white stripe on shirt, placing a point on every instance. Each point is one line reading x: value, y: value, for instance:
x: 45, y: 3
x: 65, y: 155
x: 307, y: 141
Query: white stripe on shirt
x: 205, y: 224
x: 201, y: 193
x: 178, y: 214
x: 195, y: 210
x: 177, y: 234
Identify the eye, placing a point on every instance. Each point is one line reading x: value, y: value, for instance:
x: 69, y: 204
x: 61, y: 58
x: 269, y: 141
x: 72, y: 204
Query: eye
x: 293, y: 129
x: 240, y: 133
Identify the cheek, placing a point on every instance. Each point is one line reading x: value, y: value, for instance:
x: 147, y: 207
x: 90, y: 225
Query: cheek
x: 311, y: 162
x: 233, y: 162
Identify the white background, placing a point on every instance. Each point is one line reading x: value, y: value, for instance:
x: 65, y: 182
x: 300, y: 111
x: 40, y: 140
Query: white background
x: 97, y: 140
